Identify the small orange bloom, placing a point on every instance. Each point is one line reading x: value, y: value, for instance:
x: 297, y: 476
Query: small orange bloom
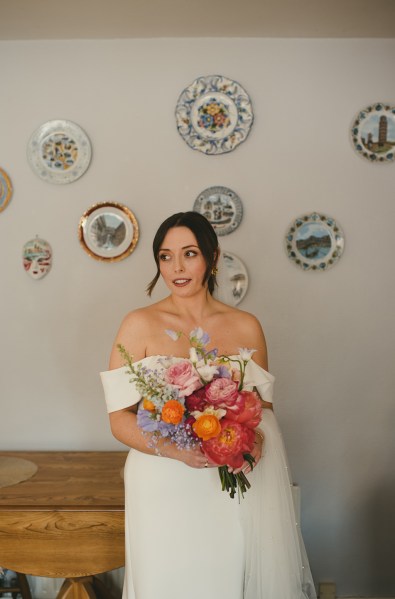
x: 148, y: 405
x: 207, y: 426
x: 172, y: 412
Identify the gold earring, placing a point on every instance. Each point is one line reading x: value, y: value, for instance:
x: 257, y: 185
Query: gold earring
x: 214, y: 271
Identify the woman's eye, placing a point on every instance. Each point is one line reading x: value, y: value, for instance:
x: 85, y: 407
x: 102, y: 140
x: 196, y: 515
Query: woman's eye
x: 190, y: 253
x: 164, y: 257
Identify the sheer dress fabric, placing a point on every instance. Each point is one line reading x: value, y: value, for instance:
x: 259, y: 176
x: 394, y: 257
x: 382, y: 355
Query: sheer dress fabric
x: 184, y: 537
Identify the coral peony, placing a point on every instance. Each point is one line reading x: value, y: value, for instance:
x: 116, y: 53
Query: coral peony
x: 252, y: 413
x: 229, y: 446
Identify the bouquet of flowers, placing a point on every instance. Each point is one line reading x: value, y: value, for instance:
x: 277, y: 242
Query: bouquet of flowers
x: 200, y: 401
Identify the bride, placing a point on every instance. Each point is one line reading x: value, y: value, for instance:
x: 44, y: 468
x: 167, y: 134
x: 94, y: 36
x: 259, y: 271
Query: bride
x: 185, y: 538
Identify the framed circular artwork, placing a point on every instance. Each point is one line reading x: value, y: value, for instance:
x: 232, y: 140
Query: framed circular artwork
x: 222, y: 207
x: 314, y: 242
x: 59, y: 152
x: 108, y: 231
x: 5, y: 189
x: 237, y: 276
x: 214, y: 114
x: 373, y: 133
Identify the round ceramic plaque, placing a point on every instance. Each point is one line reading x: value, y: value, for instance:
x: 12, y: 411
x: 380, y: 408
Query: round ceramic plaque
x: 237, y: 276
x: 108, y: 231
x: 314, y: 242
x: 5, y: 189
x: 214, y: 114
x: 222, y: 207
x: 373, y: 133
x: 59, y: 152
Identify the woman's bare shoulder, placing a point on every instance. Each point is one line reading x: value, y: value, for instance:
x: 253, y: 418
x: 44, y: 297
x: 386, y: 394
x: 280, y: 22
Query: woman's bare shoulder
x: 246, y: 327
x: 133, y: 333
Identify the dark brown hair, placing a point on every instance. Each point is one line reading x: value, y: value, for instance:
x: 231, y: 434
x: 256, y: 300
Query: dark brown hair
x: 205, y: 236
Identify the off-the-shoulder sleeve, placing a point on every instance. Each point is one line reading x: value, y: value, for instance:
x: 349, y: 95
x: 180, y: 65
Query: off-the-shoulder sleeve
x: 256, y: 376
x: 119, y: 392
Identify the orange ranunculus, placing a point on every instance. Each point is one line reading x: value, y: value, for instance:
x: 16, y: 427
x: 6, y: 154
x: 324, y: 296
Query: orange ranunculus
x: 148, y: 405
x: 172, y: 412
x: 207, y: 426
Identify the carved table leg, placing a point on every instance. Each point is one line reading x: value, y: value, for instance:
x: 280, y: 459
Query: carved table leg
x: 77, y: 588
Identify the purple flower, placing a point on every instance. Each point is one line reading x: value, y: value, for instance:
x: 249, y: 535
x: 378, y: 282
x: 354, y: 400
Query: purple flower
x: 146, y: 421
x: 223, y: 373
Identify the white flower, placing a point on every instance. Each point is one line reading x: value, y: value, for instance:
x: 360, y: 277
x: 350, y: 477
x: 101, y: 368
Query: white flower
x: 193, y: 355
x: 207, y: 372
x: 245, y: 353
x: 211, y: 411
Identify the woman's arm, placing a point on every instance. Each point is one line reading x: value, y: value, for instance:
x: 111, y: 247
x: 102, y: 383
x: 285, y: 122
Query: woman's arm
x: 132, y: 335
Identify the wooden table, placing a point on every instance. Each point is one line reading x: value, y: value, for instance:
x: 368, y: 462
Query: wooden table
x: 66, y: 521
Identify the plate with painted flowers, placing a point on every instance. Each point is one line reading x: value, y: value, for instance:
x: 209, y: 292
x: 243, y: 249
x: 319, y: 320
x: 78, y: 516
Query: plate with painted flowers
x: 214, y: 114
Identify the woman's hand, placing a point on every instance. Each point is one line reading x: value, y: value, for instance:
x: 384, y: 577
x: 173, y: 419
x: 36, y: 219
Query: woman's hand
x: 256, y: 452
x: 194, y: 458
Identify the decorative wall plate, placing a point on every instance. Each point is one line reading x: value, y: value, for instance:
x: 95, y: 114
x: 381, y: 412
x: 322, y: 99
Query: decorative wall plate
x: 5, y: 189
x: 59, y: 152
x: 108, y: 231
x: 314, y: 242
x: 222, y: 207
x: 237, y: 276
x: 37, y: 257
x: 373, y: 133
x: 214, y: 114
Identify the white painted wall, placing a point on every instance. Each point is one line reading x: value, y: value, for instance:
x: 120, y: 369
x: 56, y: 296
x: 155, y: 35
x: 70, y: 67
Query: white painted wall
x: 330, y: 335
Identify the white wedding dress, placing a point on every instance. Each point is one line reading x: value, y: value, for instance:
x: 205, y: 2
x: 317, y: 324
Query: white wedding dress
x: 187, y: 539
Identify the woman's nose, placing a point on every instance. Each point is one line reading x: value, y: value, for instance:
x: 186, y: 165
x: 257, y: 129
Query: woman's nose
x: 178, y: 265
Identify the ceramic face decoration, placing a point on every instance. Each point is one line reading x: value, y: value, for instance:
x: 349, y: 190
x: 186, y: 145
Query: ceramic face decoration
x: 37, y: 258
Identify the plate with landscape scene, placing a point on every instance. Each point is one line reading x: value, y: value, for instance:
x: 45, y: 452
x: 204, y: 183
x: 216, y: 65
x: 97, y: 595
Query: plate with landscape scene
x: 314, y: 242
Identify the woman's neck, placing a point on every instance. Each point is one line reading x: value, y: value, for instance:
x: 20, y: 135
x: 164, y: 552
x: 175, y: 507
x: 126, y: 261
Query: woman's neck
x: 193, y: 309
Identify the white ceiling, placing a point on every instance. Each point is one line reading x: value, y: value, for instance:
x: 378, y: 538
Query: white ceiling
x: 93, y: 19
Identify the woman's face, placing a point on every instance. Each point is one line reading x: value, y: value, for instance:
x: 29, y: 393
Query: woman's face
x: 182, y: 264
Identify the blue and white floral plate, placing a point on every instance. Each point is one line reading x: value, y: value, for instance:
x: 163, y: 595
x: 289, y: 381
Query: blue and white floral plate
x: 59, y: 151
x: 214, y: 114
x: 222, y: 207
x: 314, y: 242
x: 373, y: 133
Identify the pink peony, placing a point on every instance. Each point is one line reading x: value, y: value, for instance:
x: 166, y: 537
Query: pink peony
x: 197, y: 401
x: 229, y: 446
x: 223, y: 393
x: 183, y: 376
x: 252, y: 413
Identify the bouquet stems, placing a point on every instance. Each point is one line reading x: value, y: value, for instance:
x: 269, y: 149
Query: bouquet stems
x: 230, y: 481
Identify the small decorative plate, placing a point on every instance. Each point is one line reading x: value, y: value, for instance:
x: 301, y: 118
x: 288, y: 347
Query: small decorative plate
x: 314, y: 242
x: 373, y: 133
x: 59, y: 152
x: 237, y: 276
x: 214, y: 114
x: 222, y: 207
x: 108, y: 231
x: 5, y: 189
